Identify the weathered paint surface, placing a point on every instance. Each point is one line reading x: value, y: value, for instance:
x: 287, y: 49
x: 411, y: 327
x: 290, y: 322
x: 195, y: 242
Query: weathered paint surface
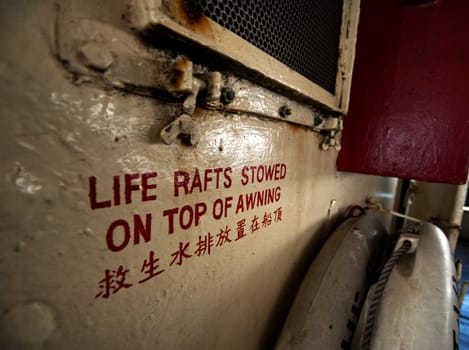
x: 66, y: 149
x: 408, y: 113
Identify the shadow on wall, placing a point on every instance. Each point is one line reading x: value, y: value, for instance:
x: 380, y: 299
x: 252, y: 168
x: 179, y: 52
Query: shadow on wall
x: 282, y: 306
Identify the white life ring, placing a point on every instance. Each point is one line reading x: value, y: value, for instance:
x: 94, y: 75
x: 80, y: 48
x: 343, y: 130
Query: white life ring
x: 327, y: 305
x: 419, y: 306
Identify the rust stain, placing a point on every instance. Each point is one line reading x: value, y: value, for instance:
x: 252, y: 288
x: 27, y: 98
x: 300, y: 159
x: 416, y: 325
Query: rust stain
x: 176, y: 78
x: 177, y: 75
x: 190, y: 16
x: 295, y: 128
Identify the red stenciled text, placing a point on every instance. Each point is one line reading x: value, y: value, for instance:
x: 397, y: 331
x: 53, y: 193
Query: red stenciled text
x: 204, y: 245
x: 134, y: 188
x: 201, y: 181
x: 263, y: 173
x: 189, y: 216
x: 120, y: 232
x: 123, y: 190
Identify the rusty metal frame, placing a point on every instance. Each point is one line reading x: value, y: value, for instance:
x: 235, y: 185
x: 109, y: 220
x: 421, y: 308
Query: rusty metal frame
x: 155, y: 16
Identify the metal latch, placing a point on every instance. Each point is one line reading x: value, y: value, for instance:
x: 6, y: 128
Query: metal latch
x: 330, y: 127
x: 104, y: 55
x: 97, y: 52
x: 183, y: 126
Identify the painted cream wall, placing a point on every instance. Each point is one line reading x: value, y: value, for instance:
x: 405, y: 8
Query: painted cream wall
x: 53, y: 252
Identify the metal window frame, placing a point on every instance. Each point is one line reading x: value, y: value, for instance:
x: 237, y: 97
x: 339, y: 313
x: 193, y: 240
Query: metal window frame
x: 171, y: 16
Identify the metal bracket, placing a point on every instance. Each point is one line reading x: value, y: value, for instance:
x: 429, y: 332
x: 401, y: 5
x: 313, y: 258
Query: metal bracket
x: 412, y: 238
x: 241, y: 96
x: 97, y: 52
x: 184, y: 126
x: 331, y: 127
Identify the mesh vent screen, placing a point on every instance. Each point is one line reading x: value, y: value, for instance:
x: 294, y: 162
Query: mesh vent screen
x: 302, y: 34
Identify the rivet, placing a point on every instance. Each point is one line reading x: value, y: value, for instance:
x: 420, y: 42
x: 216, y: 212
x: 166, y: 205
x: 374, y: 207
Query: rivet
x: 285, y: 111
x: 317, y: 120
x: 227, y: 95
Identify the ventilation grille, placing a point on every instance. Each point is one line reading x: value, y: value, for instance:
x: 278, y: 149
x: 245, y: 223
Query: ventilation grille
x: 302, y: 34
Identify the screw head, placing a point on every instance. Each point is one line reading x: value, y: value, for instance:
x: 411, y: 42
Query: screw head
x: 285, y: 111
x: 227, y: 95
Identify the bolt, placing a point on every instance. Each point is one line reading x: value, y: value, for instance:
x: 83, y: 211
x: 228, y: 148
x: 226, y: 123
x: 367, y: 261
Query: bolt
x: 284, y: 111
x: 95, y: 56
x: 227, y: 95
x: 317, y: 120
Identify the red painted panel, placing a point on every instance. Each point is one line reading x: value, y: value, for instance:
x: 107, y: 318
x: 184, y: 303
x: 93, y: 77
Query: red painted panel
x: 409, y: 107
